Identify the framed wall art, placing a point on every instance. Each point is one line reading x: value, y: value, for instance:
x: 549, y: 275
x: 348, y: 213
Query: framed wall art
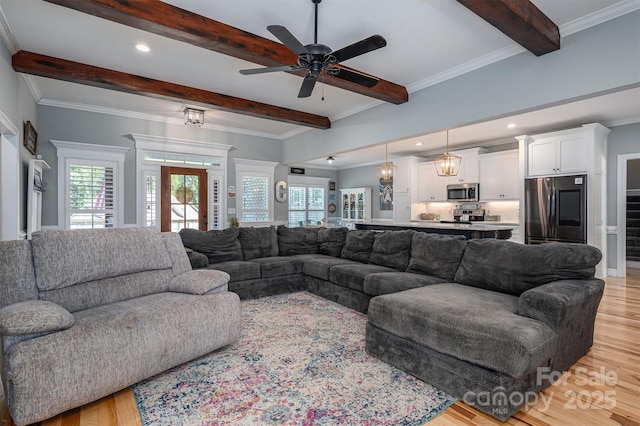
x: 30, y: 138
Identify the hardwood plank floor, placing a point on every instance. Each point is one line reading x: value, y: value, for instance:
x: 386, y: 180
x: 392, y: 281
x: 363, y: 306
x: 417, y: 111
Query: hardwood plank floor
x: 575, y: 401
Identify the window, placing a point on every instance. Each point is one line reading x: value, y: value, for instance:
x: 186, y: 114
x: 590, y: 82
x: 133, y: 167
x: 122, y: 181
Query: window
x: 90, y: 185
x: 255, y: 192
x: 307, y: 201
x: 90, y: 192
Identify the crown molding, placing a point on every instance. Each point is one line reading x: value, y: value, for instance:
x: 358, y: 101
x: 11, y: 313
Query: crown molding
x: 621, y: 121
x: 150, y: 117
x: 598, y: 17
x: 33, y: 87
x: 168, y: 144
x: 7, y: 35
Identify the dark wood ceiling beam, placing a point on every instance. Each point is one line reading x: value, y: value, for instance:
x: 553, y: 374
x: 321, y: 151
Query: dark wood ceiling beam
x: 521, y: 20
x: 166, y: 20
x: 61, y: 69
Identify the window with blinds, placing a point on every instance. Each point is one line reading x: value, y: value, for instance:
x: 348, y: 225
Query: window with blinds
x: 306, y: 205
x: 255, y: 198
x: 91, y: 192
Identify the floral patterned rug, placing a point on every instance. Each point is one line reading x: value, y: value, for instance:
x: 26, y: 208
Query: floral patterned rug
x: 300, y: 361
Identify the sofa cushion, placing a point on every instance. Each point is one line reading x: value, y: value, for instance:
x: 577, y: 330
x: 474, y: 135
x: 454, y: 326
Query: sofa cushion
x: 358, y: 246
x: 258, y: 242
x: 471, y: 324
x: 197, y: 260
x: 393, y: 282
x: 297, y: 240
x: 32, y: 317
x: 278, y: 266
x: 238, y: 270
x: 217, y: 245
x: 392, y: 249
x: 352, y: 275
x: 331, y: 240
x: 513, y: 268
x: 319, y: 265
x: 62, y: 258
x: 436, y: 254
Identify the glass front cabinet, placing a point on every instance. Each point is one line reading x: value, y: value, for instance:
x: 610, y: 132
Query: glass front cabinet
x: 356, y: 204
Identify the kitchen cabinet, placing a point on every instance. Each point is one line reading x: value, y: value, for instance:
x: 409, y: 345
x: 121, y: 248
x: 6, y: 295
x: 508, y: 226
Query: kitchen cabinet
x: 499, y: 178
x: 562, y: 154
x: 401, y: 207
x: 431, y: 187
x: 356, y: 204
x: 404, y: 173
x: 469, y: 170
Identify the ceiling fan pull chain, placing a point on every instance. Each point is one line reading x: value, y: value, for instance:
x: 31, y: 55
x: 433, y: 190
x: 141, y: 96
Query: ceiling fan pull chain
x: 322, y: 83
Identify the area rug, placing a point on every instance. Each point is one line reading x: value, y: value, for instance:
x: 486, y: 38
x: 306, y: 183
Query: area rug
x: 301, y: 360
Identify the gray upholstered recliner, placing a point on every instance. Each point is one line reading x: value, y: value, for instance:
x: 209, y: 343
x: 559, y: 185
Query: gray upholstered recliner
x: 86, y: 313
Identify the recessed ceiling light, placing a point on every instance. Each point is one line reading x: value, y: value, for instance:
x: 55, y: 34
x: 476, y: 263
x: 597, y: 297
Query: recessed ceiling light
x: 511, y: 126
x: 142, y: 47
x: 418, y: 143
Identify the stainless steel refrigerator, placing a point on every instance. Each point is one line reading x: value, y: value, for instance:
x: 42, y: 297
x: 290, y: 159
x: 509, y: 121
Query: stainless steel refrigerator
x: 556, y: 209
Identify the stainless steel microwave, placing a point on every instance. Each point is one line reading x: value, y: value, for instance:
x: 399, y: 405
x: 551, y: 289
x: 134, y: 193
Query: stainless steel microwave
x: 463, y: 192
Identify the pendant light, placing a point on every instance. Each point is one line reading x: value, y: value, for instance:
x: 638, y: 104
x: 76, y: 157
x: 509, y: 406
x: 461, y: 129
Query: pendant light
x: 387, y: 170
x: 447, y: 164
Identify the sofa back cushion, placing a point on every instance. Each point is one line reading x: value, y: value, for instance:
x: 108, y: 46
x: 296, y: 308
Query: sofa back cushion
x: 217, y: 245
x: 293, y: 241
x: 513, y: 268
x: 17, y: 280
x: 436, y: 255
x: 331, y: 240
x: 392, y: 249
x: 358, y: 246
x: 258, y: 242
x: 66, y: 258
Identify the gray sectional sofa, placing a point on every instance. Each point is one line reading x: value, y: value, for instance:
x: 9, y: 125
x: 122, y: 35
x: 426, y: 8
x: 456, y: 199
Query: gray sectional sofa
x: 485, y: 320
x: 86, y: 313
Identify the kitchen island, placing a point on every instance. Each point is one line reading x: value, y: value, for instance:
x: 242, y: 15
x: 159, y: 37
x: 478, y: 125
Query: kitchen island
x: 472, y: 231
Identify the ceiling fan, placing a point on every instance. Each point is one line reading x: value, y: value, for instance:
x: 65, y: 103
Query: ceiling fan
x: 317, y: 58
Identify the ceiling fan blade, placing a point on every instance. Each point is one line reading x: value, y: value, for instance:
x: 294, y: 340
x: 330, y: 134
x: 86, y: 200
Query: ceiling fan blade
x: 354, y: 77
x: 307, y: 86
x: 270, y: 69
x: 288, y: 39
x: 356, y: 49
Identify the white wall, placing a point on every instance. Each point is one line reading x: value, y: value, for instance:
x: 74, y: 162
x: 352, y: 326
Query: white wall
x: 17, y: 105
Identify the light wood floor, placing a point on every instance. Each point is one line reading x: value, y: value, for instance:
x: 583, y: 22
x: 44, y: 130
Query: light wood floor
x: 616, y: 350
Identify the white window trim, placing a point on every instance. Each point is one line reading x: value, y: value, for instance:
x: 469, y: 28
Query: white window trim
x: 255, y: 168
x: 144, y: 143
x: 317, y: 182
x: 69, y: 151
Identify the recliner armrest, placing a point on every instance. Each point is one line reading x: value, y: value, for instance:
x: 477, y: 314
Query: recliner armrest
x: 34, y: 317
x: 556, y: 302
x: 200, y: 282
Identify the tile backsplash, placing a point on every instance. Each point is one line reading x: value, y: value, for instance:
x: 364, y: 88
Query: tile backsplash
x: 509, y: 211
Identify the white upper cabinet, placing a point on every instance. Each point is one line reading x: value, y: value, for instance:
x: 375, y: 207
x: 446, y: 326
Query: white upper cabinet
x: 431, y: 187
x: 499, y: 179
x: 403, y: 175
x: 563, y: 154
x: 469, y: 170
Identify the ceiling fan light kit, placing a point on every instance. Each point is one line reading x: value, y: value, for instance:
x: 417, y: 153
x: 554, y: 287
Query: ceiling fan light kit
x: 318, y: 58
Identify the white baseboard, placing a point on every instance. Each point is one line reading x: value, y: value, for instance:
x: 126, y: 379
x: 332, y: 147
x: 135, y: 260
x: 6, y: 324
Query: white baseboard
x: 612, y: 272
x: 633, y: 264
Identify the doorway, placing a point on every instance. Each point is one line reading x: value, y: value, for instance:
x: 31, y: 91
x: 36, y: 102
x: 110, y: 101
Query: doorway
x: 183, y: 199
x: 625, y: 225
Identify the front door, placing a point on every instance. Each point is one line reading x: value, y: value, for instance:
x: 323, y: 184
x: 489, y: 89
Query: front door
x: 183, y: 199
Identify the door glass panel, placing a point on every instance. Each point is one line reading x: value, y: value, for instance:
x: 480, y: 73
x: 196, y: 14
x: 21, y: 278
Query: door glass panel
x: 184, y: 201
x: 569, y: 208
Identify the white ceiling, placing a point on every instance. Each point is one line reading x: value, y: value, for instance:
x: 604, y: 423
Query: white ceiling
x: 427, y: 42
